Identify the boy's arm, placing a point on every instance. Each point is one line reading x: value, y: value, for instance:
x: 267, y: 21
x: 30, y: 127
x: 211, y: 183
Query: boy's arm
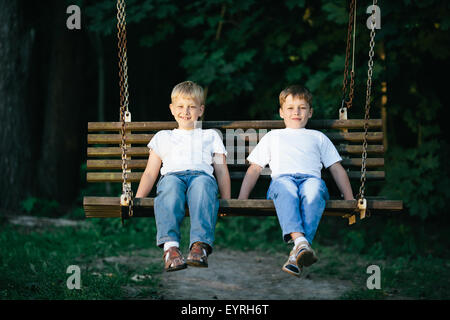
x: 340, y: 176
x: 222, y: 175
x: 149, y: 176
x: 251, y: 176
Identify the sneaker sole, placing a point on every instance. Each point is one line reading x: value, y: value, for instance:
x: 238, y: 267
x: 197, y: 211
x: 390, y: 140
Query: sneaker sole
x: 306, y: 258
x: 290, y: 271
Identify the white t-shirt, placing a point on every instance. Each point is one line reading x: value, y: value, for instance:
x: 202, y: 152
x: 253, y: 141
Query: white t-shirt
x: 182, y: 150
x: 290, y: 151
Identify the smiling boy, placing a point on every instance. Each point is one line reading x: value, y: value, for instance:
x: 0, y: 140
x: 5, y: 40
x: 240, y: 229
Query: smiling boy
x: 296, y: 156
x: 188, y: 157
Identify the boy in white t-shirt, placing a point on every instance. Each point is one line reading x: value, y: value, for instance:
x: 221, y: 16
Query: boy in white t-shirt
x: 189, y: 156
x: 295, y: 156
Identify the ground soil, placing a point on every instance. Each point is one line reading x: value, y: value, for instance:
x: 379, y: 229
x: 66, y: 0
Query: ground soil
x: 248, y: 275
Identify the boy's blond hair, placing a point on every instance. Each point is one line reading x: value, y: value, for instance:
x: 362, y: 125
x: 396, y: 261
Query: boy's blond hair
x: 189, y: 89
x: 297, y: 92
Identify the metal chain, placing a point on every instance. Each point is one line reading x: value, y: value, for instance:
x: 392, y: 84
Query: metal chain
x: 127, y: 196
x: 351, y: 22
x: 367, y: 109
x: 352, y: 72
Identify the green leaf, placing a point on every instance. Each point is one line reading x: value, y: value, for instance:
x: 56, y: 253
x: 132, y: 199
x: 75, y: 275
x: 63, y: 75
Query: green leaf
x: 291, y: 4
x: 28, y: 204
x: 308, y: 48
x: 336, y: 11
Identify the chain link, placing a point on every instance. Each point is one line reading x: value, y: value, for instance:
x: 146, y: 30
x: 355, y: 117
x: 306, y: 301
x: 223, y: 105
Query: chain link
x: 351, y: 22
x: 124, y: 111
x: 367, y: 109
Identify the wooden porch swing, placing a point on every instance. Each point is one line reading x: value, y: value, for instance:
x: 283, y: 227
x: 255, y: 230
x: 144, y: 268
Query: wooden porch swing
x: 359, y: 141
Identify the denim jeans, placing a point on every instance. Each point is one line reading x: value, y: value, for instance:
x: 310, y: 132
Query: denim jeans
x: 299, y: 201
x: 200, y: 191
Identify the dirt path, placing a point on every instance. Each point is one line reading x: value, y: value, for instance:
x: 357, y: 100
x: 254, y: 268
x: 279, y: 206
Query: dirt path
x: 248, y: 275
x: 233, y: 275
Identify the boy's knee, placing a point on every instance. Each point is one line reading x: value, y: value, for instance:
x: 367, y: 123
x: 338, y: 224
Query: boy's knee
x: 170, y: 185
x: 283, y: 186
x: 204, y: 182
x: 314, y: 189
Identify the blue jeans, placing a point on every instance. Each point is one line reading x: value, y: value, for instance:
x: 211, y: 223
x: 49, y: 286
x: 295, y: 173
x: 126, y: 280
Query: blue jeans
x: 299, y: 201
x: 200, y: 191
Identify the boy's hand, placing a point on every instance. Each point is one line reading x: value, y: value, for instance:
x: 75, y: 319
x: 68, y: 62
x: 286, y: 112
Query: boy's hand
x: 251, y: 176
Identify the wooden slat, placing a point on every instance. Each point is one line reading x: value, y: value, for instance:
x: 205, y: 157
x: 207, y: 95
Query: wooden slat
x: 142, y: 163
x: 331, y: 204
x: 116, y: 152
x: 101, y: 201
x: 144, y: 138
x: 143, y: 151
x: 249, y: 124
x: 354, y: 136
x: 358, y: 149
x: 370, y: 162
x: 100, y: 207
x: 136, y: 176
x: 116, y: 164
x: 103, y: 212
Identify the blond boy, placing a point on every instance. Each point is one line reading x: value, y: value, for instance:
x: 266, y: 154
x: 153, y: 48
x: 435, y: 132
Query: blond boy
x: 187, y: 158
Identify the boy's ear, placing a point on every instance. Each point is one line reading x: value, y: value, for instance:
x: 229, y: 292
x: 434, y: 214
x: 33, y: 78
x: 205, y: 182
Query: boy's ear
x: 170, y: 107
x: 310, y: 112
x: 281, y: 113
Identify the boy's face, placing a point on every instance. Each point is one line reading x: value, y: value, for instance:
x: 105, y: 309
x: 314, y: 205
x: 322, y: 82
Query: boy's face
x: 295, y: 112
x: 186, y: 111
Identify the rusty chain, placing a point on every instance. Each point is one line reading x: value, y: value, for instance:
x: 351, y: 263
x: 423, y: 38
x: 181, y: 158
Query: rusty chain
x: 351, y: 28
x: 367, y: 108
x: 125, y: 116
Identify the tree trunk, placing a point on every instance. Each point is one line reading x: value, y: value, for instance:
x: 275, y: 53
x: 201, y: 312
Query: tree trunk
x: 67, y: 101
x: 15, y: 159
x: 96, y: 42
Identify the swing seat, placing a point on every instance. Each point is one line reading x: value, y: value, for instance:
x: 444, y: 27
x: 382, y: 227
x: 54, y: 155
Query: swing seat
x: 104, y: 164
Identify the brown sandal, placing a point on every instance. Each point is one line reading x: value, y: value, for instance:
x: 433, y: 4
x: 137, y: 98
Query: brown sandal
x: 173, y: 260
x: 198, y: 256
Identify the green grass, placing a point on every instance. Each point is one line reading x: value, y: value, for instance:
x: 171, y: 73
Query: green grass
x: 413, y: 256
x: 33, y: 262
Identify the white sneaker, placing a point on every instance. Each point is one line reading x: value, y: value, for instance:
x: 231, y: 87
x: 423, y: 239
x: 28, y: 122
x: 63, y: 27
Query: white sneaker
x: 291, y: 267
